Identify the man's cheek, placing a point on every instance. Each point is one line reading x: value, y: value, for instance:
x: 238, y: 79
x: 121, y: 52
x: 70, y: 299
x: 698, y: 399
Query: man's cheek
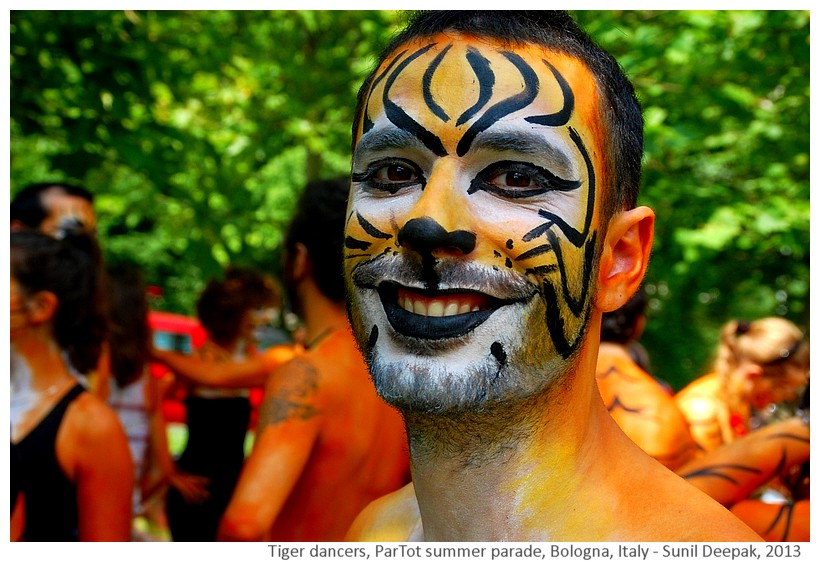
x: 567, y: 295
x: 367, y: 235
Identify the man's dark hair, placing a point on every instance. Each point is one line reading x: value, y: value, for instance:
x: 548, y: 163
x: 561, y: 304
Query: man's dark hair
x: 319, y: 223
x: 67, y: 269
x: 557, y: 31
x: 27, y: 206
x: 620, y: 326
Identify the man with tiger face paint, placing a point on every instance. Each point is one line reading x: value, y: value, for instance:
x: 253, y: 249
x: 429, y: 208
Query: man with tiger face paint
x: 491, y: 222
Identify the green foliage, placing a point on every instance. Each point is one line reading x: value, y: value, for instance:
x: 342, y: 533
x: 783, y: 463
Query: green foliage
x: 726, y: 101
x: 197, y: 129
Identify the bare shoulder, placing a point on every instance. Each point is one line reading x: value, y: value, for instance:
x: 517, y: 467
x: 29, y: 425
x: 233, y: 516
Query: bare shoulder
x: 293, y: 391
x: 391, y: 518
x: 91, y: 432
x: 680, y: 512
x: 300, y: 376
x: 90, y: 417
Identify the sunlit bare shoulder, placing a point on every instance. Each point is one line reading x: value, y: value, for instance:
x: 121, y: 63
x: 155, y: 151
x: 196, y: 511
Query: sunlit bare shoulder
x: 391, y: 518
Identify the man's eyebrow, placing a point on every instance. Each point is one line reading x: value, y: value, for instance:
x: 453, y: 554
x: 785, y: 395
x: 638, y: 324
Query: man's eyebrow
x: 377, y: 140
x: 524, y: 142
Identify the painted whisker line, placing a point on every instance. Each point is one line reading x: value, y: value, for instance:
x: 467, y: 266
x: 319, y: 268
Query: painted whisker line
x: 537, y: 251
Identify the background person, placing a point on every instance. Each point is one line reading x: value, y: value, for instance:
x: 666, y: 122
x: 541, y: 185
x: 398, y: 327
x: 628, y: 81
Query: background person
x: 68, y: 448
x: 326, y: 445
x: 759, y: 365
x: 136, y: 397
x: 218, y: 418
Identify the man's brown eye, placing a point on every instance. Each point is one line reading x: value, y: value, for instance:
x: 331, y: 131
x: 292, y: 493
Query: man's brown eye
x: 517, y: 179
x: 395, y: 173
x: 513, y: 179
x: 398, y: 172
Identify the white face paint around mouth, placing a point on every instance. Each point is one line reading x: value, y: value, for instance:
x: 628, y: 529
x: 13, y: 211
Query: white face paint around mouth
x: 430, y: 362
x: 489, y: 361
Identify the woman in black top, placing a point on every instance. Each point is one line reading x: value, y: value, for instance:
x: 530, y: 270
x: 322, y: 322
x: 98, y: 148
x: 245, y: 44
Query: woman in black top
x: 71, y: 468
x: 217, y: 417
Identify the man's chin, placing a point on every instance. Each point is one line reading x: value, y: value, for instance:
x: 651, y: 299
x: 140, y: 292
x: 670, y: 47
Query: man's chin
x: 432, y: 385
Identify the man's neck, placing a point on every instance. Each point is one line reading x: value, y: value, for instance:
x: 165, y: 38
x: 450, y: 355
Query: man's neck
x: 321, y: 316
x: 473, y: 483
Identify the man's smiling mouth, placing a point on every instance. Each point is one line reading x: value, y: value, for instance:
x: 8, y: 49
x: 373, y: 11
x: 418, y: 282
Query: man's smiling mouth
x: 436, y: 314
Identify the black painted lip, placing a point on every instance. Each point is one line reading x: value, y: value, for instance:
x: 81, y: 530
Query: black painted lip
x: 433, y: 327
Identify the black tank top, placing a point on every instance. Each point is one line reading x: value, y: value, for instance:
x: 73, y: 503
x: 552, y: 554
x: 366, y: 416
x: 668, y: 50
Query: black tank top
x: 50, y: 498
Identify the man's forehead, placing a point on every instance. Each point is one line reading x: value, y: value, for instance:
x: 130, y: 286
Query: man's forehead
x: 458, y: 77
x: 455, y: 40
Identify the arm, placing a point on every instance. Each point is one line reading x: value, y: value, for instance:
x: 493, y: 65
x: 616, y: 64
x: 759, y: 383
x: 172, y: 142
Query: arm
x: 733, y: 471
x: 18, y: 518
x: 192, y: 487
x: 93, y: 450
x: 289, y: 425
x: 776, y: 522
x: 252, y: 371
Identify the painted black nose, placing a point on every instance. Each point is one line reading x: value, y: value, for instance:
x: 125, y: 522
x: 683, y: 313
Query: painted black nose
x: 425, y: 235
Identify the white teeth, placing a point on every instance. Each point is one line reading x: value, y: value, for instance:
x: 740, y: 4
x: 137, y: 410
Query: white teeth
x: 435, y: 308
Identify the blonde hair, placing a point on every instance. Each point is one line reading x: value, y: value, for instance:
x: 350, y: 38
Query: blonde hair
x: 769, y: 342
x: 763, y: 341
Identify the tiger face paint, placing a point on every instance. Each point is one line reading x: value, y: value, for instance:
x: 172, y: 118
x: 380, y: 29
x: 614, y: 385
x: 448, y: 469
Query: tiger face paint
x: 472, y: 228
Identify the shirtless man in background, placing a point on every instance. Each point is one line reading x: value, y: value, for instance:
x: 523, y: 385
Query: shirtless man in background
x: 326, y: 445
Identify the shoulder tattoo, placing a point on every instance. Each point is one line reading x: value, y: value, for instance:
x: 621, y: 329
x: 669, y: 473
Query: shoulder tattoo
x: 294, y: 397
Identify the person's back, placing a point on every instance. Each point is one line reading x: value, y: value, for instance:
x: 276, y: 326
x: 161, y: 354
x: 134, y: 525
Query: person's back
x: 642, y: 407
x: 707, y: 414
x: 359, y: 453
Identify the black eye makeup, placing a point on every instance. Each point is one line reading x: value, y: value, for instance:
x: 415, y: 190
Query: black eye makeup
x: 517, y: 180
x: 390, y: 175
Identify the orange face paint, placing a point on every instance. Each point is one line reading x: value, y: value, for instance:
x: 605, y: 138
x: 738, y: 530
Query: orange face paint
x: 474, y: 187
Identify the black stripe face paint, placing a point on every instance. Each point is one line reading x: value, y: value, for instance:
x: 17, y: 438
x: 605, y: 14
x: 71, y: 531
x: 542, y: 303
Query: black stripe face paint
x: 472, y: 230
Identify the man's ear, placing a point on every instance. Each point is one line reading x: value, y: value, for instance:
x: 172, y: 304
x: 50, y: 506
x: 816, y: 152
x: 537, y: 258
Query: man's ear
x: 299, y: 262
x: 624, y: 256
x: 41, y: 307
